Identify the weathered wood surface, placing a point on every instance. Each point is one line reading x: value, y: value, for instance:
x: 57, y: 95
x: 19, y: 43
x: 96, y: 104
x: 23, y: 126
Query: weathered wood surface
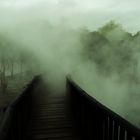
x: 51, y: 118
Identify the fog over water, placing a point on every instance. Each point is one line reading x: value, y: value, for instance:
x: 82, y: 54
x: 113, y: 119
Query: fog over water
x: 54, y: 30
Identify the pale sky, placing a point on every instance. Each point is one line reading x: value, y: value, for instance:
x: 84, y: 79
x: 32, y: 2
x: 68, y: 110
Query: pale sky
x: 75, y: 13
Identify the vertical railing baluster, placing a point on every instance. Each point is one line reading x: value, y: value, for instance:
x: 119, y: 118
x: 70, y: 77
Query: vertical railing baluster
x: 113, y: 129
x: 125, y: 136
x: 103, y: 130
x: 122, y: 133
x: 106, y: 128
x: 110, y: 128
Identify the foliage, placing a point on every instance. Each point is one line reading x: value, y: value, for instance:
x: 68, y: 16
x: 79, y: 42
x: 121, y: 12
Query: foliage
x: 112, y: 49
x: 13, y: 60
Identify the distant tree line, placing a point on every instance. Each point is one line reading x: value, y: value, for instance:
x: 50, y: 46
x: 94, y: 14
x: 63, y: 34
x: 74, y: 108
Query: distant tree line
x: 112, y: 49
x: 13, y: 60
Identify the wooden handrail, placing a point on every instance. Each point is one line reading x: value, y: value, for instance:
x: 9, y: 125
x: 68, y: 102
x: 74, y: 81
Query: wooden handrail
x: 17, y: 114
x: 96, y: 120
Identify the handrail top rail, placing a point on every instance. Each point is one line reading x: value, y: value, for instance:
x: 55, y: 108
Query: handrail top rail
x: 106, y: 110
x: 11, y: 106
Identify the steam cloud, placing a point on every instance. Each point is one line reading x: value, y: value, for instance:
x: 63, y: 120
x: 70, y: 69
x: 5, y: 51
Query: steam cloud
x: 56, y: 38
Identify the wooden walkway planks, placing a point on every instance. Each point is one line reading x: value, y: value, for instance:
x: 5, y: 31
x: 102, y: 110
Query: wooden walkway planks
x: 51, y: 119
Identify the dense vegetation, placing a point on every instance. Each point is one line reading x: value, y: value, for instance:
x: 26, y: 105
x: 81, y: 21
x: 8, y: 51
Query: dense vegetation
x: 13, y: 61
x: 113, y: 50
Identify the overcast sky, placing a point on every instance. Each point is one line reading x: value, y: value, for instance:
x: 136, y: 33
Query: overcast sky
x: 75, y: 13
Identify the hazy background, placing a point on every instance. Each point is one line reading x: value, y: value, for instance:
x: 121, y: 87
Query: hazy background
x: 75, y: 37
x: 75, y: 13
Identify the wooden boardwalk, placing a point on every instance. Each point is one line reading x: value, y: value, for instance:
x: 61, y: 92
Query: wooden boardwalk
x: 51, y: 119
x: 38, y: 114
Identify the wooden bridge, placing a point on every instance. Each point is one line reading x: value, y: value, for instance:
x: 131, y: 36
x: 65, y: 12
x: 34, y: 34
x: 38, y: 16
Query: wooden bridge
x: 38, y: 114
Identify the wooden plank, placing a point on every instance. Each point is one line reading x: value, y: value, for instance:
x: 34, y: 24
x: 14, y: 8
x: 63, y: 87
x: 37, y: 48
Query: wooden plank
x: 51, y: 120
